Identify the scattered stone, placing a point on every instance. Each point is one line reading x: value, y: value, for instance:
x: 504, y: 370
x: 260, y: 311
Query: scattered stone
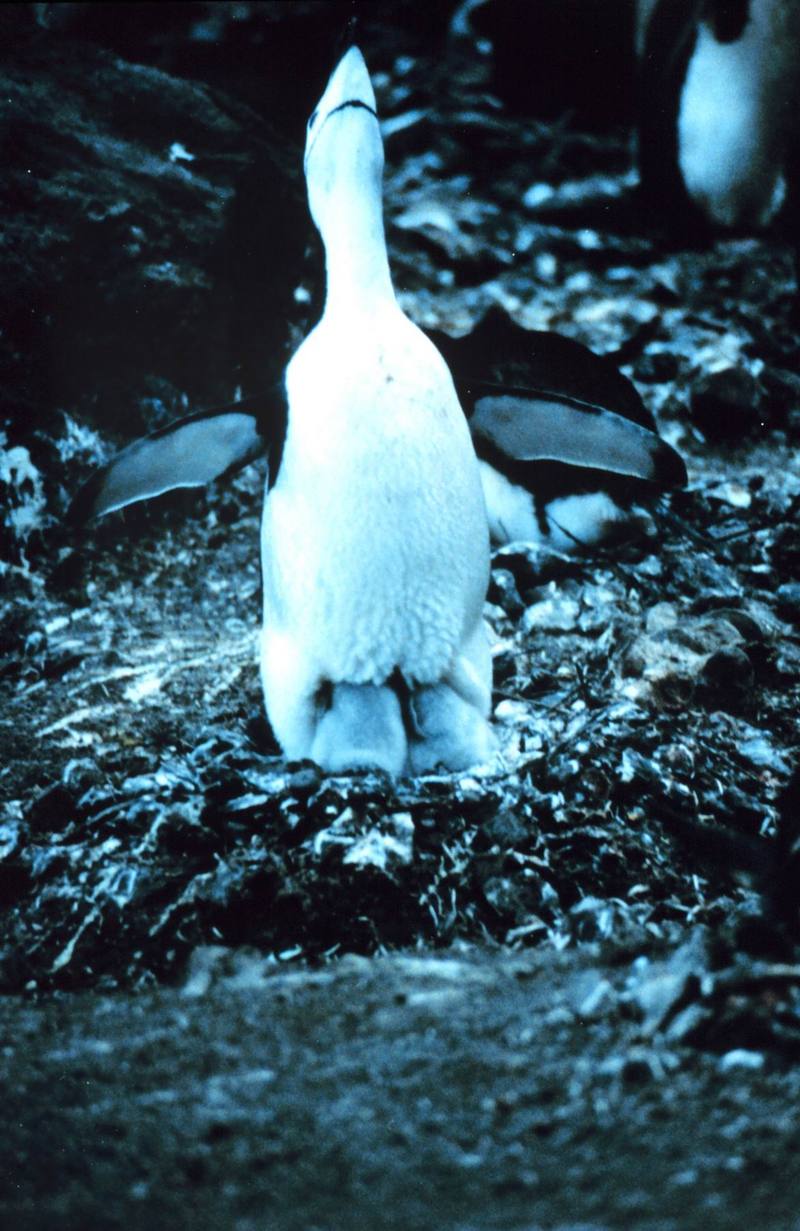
x: 657, y: 367
x: 727, y: 678
x: 678, y: 657
x: 512, y: 713
x: 383, y: 849
x: 202, y: 967
x: 734, y: 494
x: 52, y: 810
x: 786, y: 551
x: 783, y: 390
x: 787, y: 599
x: 727, y: 405
x: 741, y: 1058
x: 407, y: 132
x: 759, y: 749
x: 641, y: 1065
x: 659, y: 990
x: 557, y: 613
x: 9, y: 838
x: 503, y: 591
x: 687, y: 1025
x: 597, y: 1000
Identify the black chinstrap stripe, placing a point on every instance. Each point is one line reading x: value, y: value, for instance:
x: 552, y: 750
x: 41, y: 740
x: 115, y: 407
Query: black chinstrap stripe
x: 349, y: 102
x: 352, y: 102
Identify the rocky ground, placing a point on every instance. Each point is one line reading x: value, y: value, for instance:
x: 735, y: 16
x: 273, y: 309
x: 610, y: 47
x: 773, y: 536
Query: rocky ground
x: 203, y: 1001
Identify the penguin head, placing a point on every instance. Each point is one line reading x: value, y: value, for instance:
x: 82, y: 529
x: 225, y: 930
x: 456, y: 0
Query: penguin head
x: 344, y: 149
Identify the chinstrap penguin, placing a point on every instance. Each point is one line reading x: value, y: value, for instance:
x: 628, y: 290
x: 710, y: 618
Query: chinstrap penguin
x: 375, y: 548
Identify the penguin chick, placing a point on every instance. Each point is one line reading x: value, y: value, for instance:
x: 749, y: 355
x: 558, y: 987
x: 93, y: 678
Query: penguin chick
x: 374, y: 539
x: 718, y: 99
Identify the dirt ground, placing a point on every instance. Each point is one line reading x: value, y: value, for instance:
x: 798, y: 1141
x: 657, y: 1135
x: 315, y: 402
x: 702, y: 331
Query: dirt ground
x: 471, y: 1089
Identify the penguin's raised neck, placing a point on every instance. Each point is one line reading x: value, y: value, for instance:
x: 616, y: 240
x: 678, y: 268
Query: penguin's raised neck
x: 344, y: 170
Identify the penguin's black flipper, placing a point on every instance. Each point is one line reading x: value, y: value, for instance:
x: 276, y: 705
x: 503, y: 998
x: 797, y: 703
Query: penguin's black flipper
x: 187, y: 453
x: 514, y: 426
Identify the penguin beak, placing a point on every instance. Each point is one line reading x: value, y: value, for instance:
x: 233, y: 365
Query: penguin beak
x: 349, y: 86
x: 349, y: 82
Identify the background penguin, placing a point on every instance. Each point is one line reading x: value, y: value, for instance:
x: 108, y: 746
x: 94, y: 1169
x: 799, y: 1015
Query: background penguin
x: 718, y: 96
x: 567, y: 448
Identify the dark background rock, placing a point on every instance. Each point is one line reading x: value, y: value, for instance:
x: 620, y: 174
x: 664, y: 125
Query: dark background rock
x: 130, y: 260
x: 726, y: 406
x: 788, y: 596
x: 559, y: 56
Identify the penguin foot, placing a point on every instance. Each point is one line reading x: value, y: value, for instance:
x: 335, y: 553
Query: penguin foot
x: 361, y: 729
x: 450, y: 733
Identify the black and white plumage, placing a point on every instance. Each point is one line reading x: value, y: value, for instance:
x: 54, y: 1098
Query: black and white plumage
x: 375, y: 549
x: 719, y: 87
x: 375, y: 545
x: 567, y: 448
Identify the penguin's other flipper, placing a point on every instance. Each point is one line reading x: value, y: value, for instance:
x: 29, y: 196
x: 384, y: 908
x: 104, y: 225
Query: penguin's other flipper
x: 187, y: 453
x: 565, y: 442
x: 518, y: 426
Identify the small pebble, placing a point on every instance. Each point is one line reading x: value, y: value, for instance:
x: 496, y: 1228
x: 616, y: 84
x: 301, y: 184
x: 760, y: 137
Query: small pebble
x: 741, y: 1058
x: 556, y: 614
x: 656, y: 367
x: 788, y: 601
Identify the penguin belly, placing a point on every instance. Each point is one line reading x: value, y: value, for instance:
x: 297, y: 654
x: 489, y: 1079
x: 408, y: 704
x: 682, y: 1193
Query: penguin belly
x: 374, y: 540
x: 729, y: 133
